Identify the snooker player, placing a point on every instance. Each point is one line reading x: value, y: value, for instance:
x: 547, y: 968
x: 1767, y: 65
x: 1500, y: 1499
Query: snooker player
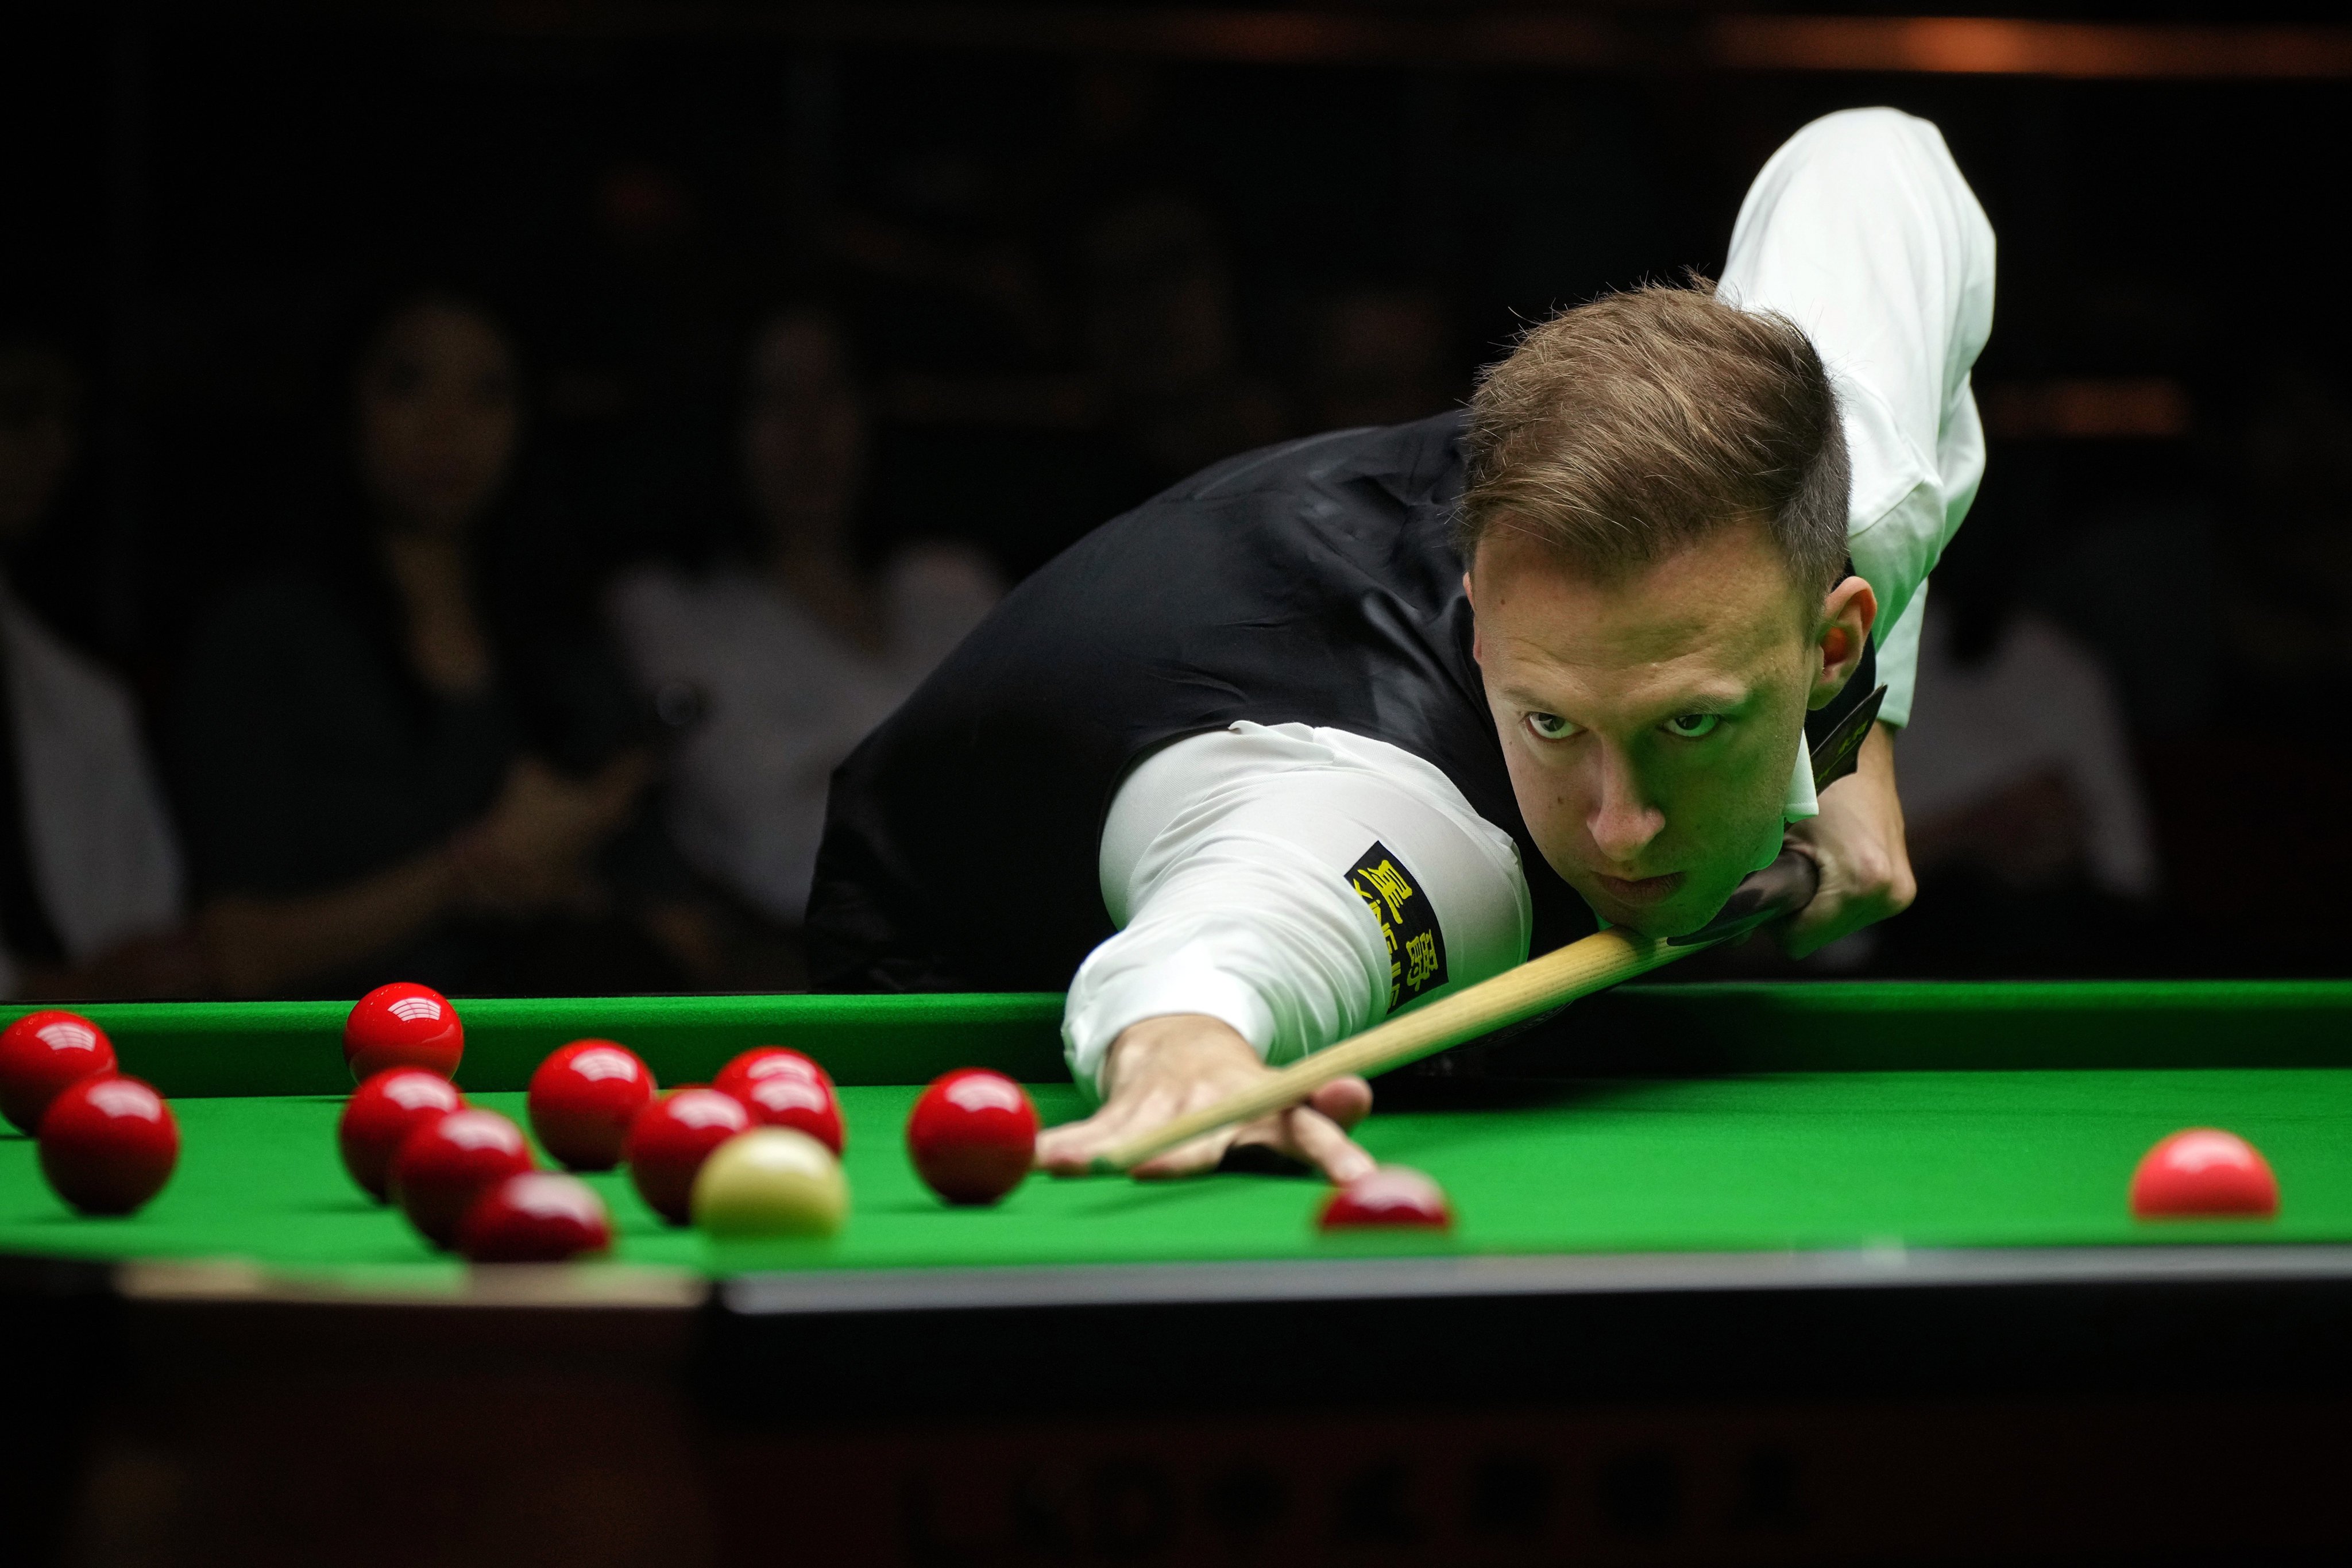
x: 1337, y: 727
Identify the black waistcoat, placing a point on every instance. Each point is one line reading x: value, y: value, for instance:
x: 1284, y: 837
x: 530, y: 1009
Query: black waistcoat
x: 1311, y: 583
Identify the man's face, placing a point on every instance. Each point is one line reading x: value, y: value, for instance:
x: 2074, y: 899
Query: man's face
x: 1650, y: 721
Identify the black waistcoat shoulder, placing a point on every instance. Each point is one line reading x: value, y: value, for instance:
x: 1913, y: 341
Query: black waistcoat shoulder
x: 1311, y: 583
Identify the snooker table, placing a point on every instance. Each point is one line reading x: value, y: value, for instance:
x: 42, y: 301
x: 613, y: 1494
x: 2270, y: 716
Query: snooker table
x: 1764, y: 1272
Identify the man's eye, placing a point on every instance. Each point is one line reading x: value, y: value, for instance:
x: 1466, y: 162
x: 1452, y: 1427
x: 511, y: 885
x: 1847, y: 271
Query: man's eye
x: 1691, y: 726
x: 1550, y: 726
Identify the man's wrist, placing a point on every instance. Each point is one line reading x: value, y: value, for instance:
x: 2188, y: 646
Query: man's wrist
x: 1149, y: 1041
x: 1104, y: 1007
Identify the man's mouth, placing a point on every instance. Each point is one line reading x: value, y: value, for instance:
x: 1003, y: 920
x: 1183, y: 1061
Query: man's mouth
x: 1641, y: 889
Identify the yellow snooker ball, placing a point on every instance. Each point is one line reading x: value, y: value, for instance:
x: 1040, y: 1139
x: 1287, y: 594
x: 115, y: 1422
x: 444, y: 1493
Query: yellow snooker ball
x: 771, y: 1181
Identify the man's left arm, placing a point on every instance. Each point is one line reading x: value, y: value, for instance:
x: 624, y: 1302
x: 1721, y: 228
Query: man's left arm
x: 1862, y: 230
x: 1857, y: 841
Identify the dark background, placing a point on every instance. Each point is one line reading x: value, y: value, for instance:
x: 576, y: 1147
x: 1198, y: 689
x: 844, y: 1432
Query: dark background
x: 194, y: 197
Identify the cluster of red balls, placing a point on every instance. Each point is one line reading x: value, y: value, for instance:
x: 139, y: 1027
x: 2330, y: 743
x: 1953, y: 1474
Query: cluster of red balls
x: 107, y: 1142
x: 464, y: 1176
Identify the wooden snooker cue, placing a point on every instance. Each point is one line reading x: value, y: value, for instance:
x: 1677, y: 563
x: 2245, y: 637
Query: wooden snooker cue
x: 1539, y: 985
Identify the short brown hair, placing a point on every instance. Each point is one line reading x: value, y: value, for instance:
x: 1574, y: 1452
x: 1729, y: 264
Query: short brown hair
x: 1620, y: 431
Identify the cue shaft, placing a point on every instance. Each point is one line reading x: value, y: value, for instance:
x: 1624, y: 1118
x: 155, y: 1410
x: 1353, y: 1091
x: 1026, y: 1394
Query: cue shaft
x: 1539, y: 985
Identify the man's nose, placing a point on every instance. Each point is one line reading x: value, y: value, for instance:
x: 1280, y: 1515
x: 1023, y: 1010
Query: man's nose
x: 1623, y: 822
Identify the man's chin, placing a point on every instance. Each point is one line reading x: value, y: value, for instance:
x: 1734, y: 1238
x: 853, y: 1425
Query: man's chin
x: 1684, y: 910
x: 1658, y: 922
x: 1657, y: 906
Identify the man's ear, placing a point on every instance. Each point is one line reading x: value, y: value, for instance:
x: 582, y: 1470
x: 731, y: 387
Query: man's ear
x: 1477, y: 639
x: 1847, y: 616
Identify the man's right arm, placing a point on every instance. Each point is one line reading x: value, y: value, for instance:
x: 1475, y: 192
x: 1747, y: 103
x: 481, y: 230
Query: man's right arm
x: 1279, y: 889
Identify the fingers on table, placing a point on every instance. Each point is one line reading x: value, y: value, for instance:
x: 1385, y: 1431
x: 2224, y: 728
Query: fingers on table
x: 1194, y: 1159
x: 1315, y: 1134
x: 1325, y: 1145
x: 1304, y: 1135
x: 1070, y: 1149
x: 1346, y: 1101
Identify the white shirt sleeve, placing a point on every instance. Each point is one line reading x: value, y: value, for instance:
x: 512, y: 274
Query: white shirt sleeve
x: 1266, y: 876
x: 1861, y: 230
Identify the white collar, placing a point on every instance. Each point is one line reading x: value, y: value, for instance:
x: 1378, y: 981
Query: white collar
x: 1801, y: 801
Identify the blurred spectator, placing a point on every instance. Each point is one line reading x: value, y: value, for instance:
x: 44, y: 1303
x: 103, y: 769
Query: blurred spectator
x: 2266, y: 901
x: 2287, y: 602
x: 2017, y: 768
x: 1381, y: 356
x: 407, y: 754
x: 89, y: 875
x: 947, y: 261
x: 635, y: 382
x: 1161, y: 330
x: 788, y: 648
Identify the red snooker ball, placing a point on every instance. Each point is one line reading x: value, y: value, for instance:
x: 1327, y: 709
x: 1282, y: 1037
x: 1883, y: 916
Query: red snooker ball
x: 403, y: 1025
x: 40, y: 1054
x: 536, y: 1217
x: 802, y: 1104
x: 972, y: 1136
x: 445, y: 1165
x: 763, y: 1062
x: 583, y: 1100
x: 382, y: 1113
x: 1392, y: 1197
x: 669, y: 1141
x: 2203, y: 1171
x: 108, y: 1144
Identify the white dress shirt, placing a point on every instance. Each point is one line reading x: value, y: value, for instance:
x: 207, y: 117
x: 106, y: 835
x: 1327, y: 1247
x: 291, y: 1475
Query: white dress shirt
x: 1226, y: 857
x: 1861, y: 230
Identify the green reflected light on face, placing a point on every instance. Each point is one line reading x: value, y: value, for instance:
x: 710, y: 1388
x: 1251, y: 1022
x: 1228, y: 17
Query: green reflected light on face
x: 1649, y: 721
